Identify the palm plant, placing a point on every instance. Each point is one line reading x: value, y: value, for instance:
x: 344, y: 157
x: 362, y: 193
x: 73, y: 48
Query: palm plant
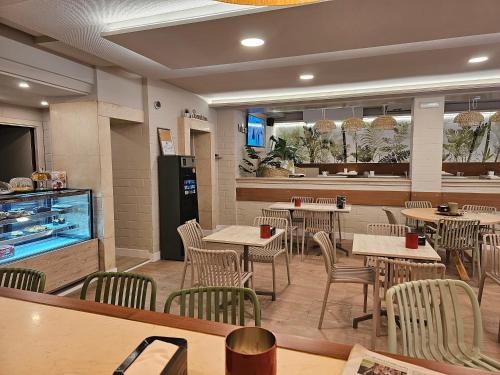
x: 314, y: 143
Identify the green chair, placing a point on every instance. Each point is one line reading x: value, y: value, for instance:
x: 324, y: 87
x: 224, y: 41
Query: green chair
x: 22, y: 278
x: 122, y: 289
x: 215, y: 303
x: 430, y: 315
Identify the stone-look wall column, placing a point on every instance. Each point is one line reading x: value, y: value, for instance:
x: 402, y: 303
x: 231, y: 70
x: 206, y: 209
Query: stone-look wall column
x: 81, y: 146
x: 229, y: 147
x: 427, y: 144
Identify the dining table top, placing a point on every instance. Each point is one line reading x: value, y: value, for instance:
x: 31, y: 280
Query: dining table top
x: 245, y: 235
x: 49, y: 334
x: 391, y: 247
x: 430, y: 215
x: 318, y: 207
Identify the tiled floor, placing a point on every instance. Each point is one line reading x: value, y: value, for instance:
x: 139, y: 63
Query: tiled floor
x: 296, y: 310
x: 124, y: 263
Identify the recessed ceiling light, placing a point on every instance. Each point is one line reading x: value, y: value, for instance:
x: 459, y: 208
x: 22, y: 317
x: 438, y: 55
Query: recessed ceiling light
x: 44, y: 103
x: 24, y: 85
x: 478, y: 59
x: 252, y: 42
x: 306, y: 77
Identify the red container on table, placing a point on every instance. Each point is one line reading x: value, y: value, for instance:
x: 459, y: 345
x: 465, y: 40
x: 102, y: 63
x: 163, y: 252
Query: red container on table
x: 265, y: 231
x: 412, y: 240
x: 297, y: 202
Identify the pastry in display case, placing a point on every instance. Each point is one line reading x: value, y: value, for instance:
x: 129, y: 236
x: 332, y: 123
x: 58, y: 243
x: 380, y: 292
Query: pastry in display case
x: 34, y: 223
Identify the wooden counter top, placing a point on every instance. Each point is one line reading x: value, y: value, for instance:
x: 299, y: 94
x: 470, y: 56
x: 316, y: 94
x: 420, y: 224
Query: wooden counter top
x: 60, y: 335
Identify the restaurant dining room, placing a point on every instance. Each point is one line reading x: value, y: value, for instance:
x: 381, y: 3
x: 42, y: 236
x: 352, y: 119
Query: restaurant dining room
x: 249, y: 187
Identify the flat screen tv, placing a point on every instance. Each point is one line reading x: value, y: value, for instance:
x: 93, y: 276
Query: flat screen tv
x: 256, y: 131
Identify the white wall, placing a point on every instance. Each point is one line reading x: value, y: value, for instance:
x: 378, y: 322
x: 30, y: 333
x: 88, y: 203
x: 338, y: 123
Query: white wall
x: 173, y: 103
x: 118, y: 87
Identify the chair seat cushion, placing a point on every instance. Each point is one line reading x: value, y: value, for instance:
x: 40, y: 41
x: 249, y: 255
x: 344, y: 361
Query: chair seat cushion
x: 263, y: 254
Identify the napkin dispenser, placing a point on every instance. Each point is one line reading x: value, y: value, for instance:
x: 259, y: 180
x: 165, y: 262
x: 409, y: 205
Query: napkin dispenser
x: 176, y: 365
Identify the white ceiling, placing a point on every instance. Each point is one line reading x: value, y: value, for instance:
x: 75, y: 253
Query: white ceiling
x: 407, y: 39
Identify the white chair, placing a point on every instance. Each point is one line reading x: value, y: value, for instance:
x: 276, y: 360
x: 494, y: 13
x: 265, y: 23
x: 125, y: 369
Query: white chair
x: 337, y: 273
x: 333, y: 201
x: 298, y: 216
x: 416, y: 204
x: 317, y: 221
x: 394, y: 230
x: 390, y: 216
x: 285, y: 214
x: 483, y: 229
x: 191, y: 236
x: 219, y: 268
x: 270, y: 252
x: 490, y: 262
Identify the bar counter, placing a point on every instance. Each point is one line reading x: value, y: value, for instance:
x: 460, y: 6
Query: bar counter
x: 59, y: 335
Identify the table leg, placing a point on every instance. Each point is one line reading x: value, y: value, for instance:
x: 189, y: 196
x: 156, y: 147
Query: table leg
x: 462, y: 272
x: 245, y: 262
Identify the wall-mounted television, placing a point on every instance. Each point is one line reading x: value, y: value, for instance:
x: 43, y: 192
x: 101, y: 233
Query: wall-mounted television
x: 256, y: 131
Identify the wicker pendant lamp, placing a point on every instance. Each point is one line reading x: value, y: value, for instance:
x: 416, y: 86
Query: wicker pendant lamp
x: 469, y: 118
x: 269, y: 2
x: 384, y: 122
x: 324, y: 126
x: 495, y: 117
x: 353, y: 124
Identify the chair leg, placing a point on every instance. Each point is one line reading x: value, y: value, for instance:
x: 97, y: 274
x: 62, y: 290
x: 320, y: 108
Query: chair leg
x: 481, y: 288
x: 303, y: 240
x: 297, y: 241
x: 325, y: 300
x: 365, y: 297
x: 273, y: 298
x: 287, y: 268
x: 184, y: 274
x: 376, y: 318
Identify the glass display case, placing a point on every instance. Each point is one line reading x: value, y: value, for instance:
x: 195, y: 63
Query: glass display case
x: 39, y: 222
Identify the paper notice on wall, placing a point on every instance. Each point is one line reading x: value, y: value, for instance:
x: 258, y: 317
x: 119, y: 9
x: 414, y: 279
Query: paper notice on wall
x: 166, y: 142
x: 364, y: 362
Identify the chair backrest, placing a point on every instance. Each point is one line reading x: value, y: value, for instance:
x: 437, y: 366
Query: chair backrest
x: 457, y: 234
x: 299, y: 214
x: 491, y: 256
x: 479, y: 209
x: 191, y: 236
x: 418, y: 204
x: 394, y: 230
x: 392, y: 272
x: 217, y: 267
x: 121, y: 289
x: 22, y: 278
x: 277, y: 222
x: 216, y: 303
x: 316, y: 221
x: 282, y: 214
x: 390, y: 216
x: 327, y: 200
x: 327, y: 249
x: 431, y: 319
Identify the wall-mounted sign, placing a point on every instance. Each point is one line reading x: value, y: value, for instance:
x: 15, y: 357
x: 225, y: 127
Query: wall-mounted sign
x: 166, y: 142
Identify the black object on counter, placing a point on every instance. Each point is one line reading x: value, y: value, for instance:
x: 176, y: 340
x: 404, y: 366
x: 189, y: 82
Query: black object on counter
x: 177, y: 364
x: 178, y: 200
x: 443, y: 208
x: 341, y: 199
x: 421, y: 239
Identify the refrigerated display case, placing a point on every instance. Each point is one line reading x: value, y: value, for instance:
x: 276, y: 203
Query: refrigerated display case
x: 51, y: 231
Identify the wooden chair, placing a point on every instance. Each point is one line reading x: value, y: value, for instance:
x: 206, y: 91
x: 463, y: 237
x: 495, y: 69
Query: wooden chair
x: 457, y: 236
x: 23, y: 279
x: 216, y: 303
x: 191, y: 236
x: 339, y: 274
x: 390, y: 216
x: 390, y: 272
x: 431, y: 320
x: 285, y: 214
x: 122, y: 289
x: 490, y: 262
x: 416, y: 204
x: 270, y: 252
x: 219, y: 268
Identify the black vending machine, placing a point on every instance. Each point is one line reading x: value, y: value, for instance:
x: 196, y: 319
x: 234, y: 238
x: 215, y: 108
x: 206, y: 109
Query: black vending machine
x: 178, y: 200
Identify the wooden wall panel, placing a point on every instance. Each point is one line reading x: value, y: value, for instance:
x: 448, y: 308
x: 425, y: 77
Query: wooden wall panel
x: 64, y: 266
x: 397, y: 169
x: 483, y: 199
x: 361, y: 197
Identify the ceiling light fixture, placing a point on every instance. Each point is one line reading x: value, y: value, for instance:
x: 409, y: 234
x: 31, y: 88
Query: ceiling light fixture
x: 324, y: 126
x: 384, y: 122
x: 306, y: 77
x: 495, y: 118
x: 24, y: 85
x: 269, y: 2
x: 471, y: 117
x: 353, y: 124
x: 44, y: 103
x: 478, y: 59
x: 252, y: 42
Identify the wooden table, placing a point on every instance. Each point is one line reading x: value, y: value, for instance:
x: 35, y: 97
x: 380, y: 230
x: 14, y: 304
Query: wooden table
x: 429, y: 216
x: 317, y: 207
x: 389, y: 247
x: 246, y: 236
x: 53, y: 335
